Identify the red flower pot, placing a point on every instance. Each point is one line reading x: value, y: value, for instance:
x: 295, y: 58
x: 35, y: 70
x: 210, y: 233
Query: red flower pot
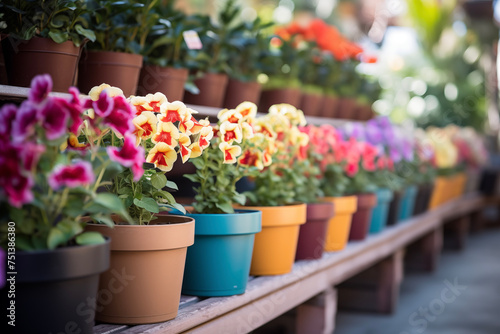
x: 362, y: 217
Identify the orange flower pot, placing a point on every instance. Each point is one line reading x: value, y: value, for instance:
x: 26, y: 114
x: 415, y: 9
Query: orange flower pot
x: 340, y: 225
x: 275, y: 246
x: 441, y: 191
x: 459, y: 183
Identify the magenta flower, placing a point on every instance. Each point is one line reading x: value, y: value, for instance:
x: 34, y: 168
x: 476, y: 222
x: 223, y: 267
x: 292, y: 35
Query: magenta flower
x: 120, y: 118
x: 41, y: 86
x: 77, y: 174
x: 18, y: 189
x: 30, y: 154
x: 104, y: 105
x: 24, y: 125
x: 55, y: 118
x: 129, y: 156
x: 7, y: 117
x: 75, y: 109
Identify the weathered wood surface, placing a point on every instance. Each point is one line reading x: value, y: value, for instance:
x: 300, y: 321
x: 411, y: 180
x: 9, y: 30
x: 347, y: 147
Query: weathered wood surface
x: 267, y: 297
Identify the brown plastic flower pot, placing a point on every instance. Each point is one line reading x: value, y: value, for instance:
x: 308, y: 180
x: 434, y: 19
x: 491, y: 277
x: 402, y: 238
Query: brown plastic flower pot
x: 144, y: 281
x: 362, y: 217
x: 310, y: 104
x: 26, y: 59
x: 212, y: 88
x: 312, y: 234
x: 330, y: 107
x: 269, y: 97
x: 167, y: 80
x: 238, y: 91
x: 347, y: 108
x: 118, y: 69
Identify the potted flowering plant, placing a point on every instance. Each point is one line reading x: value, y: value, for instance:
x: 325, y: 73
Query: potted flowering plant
x: 224, y: 236
x: 160, y: 132
x: 44, y: 37
x: 49, y: 182
x: 274, y: 191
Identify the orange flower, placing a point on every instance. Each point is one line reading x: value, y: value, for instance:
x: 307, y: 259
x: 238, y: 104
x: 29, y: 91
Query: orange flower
x: 189, y: 125
x: 172, y: 111
x: 251, y: 158
x: 247, y: 110
x: 206, y: 135
x: 145, y: 125
x: 163, y: 156
x: 196, y: 150
x: 167, y: 133
x: 231, y: 152
x: 229, y: 115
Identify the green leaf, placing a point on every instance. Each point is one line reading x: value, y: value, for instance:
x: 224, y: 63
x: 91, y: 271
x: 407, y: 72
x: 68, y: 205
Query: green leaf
x: 239, y: 198
x: 103, y: 220
x: 172, y: 185
x: 85, y: 32
x: 225, y: 207
x: 56, y: 237
x: 58, y: 36
x: 90, y: 238
x: 147, y: 203
x: 159, y: 180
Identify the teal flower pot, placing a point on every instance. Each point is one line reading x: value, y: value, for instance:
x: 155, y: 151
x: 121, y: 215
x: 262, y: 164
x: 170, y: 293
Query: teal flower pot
x: 408, y: 202
x: 218, y: 264
x: 380, y: 212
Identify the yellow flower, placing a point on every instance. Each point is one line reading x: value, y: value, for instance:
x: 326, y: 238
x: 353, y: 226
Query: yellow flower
x: 145, y: 125
x: 188, y: 124
x: 229, y: 115
x: 172, y: 111
x: 167, y: 133
x: 230, y: 131
x: 247, y: 110
x: 231, y: 152
x: 206, y: 135
x: 195, y: 150
x: 97, y: 90
x: 184, y: 150
x: 163, y: 156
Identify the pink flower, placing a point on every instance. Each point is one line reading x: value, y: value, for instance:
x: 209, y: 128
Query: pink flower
x: 120, y: 118
x: 30, y: 154
x: 54, y: 118
x: 75, y: 175
x: 13, y: 184
x: 104, y: 105
x: 24, y: 125
x: 7, y: 116
x: 129, y: 156
x: 41, y: 86
x: 75, y: 109
x: 18, y: 190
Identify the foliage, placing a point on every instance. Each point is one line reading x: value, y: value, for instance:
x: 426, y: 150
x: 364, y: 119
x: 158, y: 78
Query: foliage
x: 59, y: 20
x: 235, y: 152
x: 277, y: 184
x: 49, y: 180
x: 121, y: 26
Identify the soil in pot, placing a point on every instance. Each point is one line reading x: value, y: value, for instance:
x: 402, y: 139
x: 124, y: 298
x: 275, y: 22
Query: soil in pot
x: 26, y: 59
x: 312, y: 234
x: 167, y: 80
x: 362, y: 217
x: 212, y: 88
x: 148, y: 262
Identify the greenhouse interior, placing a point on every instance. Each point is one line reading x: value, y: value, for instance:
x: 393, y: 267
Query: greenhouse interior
x: 250, y: 166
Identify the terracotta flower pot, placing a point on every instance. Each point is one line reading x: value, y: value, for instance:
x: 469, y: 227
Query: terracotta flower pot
x: 143, y: 283
x: 56, y: 289
x: 269, y: 97
x: 26, y: 59
x: 340, y: 224
x: 167, y: 80
x: 364, y: 112
x: 362, y: 217
x: 118, y: 69
x: 312, y: 234
x: 347, y: 108
x: 238, y: 91
x: 275, y: 246
x: 330, y: 107
x: 310, y: 104
x: 212, y: 88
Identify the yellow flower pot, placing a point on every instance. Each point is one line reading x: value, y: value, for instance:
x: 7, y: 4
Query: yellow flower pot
x: 275, y: 246
x: 339, y: 225
x: 441, y: 191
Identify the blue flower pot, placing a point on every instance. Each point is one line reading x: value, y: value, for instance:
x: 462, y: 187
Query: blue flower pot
x: 408, y: 202
x: 380, y: 212
x: 218, y: 264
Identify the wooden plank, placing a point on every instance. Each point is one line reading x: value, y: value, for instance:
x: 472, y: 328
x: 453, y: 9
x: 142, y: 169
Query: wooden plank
x: 108, y: 329
x: 308, y: 277
x: 424, y: 254
x: 317, y: 315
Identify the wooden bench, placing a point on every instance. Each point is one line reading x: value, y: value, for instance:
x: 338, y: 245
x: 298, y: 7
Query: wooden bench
x: 375, y: 264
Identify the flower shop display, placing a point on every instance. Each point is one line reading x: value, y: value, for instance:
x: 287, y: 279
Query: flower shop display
x: 50, y: 181
x: 273, y: 191
x: 425, y: 171
x: 328, y: 143
x: 115, y: 56
x: 44, y: 37
x: 224, y: 237
x: 153, y: 251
